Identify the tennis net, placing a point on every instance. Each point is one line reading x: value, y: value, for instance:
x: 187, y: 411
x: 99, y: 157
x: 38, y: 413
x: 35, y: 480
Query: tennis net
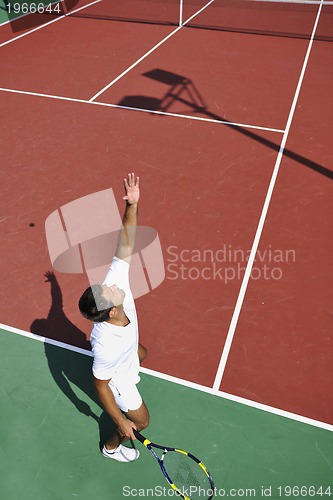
x: 288, y: 18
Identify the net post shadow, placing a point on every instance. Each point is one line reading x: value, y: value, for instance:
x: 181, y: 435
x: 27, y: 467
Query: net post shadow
x: 177, y: 84
x: 180, y: 85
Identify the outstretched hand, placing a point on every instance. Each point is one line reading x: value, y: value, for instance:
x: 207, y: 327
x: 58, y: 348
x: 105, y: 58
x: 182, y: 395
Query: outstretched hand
x: 132, y: 190
x: 50, y: 276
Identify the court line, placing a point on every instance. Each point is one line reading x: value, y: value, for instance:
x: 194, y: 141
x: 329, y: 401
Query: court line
x: 181, y: 12
x: 302, y: 2
x: 149, y: 111
x: 179, y: 381
x: 104, y: 89
x: 248, y: 270
x: 147, y: 53
x: 46, y: 24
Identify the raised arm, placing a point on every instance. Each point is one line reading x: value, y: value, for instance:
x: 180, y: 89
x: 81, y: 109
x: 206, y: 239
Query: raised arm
x: 127, y: 233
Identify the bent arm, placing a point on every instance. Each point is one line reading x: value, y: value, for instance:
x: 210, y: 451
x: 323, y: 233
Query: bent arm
x: 127, y: 233
x: 106, y: 397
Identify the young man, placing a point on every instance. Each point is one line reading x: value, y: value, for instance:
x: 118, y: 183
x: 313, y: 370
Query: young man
x: 114, y: 338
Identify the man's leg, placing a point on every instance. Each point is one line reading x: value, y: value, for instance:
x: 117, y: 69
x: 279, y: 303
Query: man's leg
x: 139, y: 417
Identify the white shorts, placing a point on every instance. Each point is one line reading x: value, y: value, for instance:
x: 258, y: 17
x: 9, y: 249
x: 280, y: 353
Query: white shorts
x: 126, y: 395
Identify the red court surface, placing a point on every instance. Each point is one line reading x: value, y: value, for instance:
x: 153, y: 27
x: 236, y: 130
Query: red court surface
x: 232, y: 74
x: 122, y: 140
x: 293, y: 316
x: 71, y: 60
x: 203, y: 189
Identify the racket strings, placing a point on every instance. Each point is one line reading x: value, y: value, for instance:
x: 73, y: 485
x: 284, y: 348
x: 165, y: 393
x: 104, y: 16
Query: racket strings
x: 187, y: 475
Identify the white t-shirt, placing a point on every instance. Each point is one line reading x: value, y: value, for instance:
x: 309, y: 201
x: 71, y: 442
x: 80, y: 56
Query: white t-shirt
x: 115, y: 348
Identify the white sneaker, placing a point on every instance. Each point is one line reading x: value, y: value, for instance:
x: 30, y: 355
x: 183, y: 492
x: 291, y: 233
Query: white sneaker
x: 122, y: 454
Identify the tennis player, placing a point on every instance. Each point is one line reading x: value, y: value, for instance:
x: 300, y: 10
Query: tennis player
x: 114, y: 338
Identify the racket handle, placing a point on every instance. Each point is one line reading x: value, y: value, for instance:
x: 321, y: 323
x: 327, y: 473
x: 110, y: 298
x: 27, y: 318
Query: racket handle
x: 139, y: 436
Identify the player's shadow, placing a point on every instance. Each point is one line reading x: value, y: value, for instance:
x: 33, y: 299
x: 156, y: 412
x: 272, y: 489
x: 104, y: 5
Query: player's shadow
x: 70, y: 370
x: 182, y: 90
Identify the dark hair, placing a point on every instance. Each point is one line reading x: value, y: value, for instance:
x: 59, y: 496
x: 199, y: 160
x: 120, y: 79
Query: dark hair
x: 93, y: 305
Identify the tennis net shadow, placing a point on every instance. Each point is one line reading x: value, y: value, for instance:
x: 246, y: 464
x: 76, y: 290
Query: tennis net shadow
x: 183, y: 90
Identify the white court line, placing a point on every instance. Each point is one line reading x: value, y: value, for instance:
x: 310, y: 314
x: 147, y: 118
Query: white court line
x: 147, y: 54
x: 247, y: 274
x: 149, y: 111
x: 185, y: 383
x: 198, y: 12
x: 47, y: 24
x: 134, y: 64
x: 180, y: 13
x: 292, y: 2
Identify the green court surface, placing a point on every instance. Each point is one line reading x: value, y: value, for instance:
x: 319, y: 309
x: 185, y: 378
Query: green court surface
x: 3, y: 13
x: 50, y: 436
x: 19, y: 8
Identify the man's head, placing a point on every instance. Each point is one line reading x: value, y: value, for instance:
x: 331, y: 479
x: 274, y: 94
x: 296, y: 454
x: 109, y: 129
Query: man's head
x: 99, y: 302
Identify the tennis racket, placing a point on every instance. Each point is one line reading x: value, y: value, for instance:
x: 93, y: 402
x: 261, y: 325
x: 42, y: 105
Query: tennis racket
x: 185, y: 473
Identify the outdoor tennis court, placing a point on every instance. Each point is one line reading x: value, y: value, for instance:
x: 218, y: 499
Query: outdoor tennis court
x: 224, y: 110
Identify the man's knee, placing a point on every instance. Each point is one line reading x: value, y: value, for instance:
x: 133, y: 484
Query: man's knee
x: 142, y: 424
x: 140, y: 417
x: 143, y: 418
